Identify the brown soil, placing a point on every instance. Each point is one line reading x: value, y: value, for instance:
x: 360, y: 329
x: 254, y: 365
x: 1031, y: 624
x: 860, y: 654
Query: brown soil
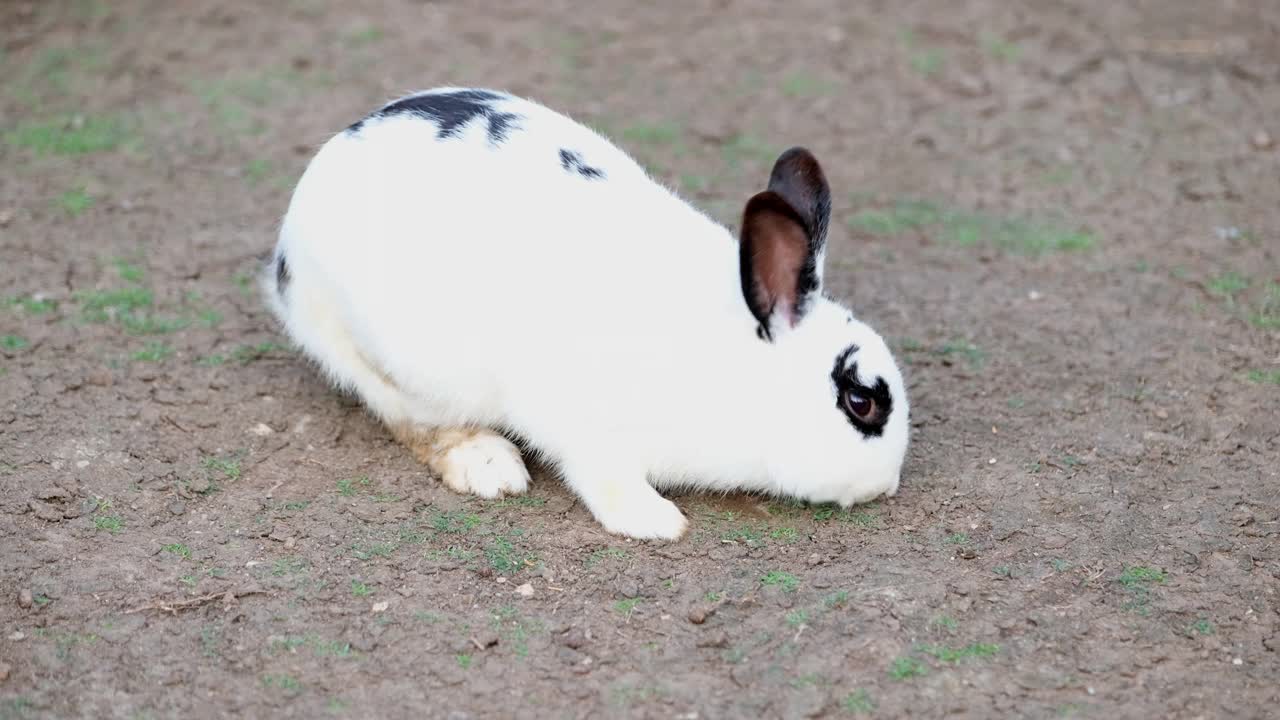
x: 1065, y: 216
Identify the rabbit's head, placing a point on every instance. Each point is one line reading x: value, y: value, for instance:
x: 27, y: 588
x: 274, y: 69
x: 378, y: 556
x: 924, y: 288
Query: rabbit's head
x: 841, y: 406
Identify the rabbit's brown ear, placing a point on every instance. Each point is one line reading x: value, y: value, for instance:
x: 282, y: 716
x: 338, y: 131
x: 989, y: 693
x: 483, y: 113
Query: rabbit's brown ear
x: 784, y: 233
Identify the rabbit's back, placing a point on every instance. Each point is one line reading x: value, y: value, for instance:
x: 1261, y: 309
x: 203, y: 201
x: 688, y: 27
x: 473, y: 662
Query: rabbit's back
x: 449, y: 241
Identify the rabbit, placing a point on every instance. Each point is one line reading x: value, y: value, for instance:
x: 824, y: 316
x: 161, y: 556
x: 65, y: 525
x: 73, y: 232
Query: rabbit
x: 478, y: 268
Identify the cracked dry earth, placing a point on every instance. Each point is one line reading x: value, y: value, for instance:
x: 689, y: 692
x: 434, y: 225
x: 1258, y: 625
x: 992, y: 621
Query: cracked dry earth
x: 1064, y: 216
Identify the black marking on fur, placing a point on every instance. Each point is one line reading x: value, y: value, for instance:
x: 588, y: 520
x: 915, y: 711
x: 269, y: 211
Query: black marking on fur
x: 846, y: 380
x: 282, y: 275
x: 573, y: 162
x: 452, y: 111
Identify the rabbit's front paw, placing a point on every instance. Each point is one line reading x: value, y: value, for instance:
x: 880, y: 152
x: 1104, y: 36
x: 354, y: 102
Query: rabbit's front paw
x: 644, y: 515
x: 479, y: 462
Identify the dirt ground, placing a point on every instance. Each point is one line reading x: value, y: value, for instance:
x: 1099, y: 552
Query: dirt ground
x: 1065, y: 217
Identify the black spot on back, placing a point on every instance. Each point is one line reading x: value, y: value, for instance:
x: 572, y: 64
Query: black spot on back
x: 573, y: 162
x: 452, y: 111
x: 282, y: 274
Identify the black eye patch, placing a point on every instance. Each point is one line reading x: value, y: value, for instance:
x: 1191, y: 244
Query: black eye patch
x: 846, y: 382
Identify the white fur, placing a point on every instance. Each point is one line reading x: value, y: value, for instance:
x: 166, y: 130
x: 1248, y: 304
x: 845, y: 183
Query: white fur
x: 602, y: 320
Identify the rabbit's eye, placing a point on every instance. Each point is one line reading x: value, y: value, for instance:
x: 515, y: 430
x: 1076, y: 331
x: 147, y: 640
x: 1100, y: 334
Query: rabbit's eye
x: 859, y: 405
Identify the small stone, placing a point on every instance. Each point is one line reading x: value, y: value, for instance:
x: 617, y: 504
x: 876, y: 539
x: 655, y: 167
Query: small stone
x: 501, y: 580
x: 17, y: 636
x: 525, y: 590
x: 381, y: 606
x: 289, y: 542
x: 699, y: 614
x: 261, y: 430
x: 1162, y: 413
x: 1034, y: 295
x: 1237, y: 661
x: 5, y: 669
x: 100, y: 379
x: 25, y: 598
x: 573, y: 639
x: 1262, y: 140
x: 176, y: 507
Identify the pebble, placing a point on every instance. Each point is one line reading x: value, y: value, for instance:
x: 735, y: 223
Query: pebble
x: 261, y: 430
x: 17, y: 636
x: 5, y: 669
x: 177, y: 507
x: 525, y: 590
x: 25, y: 598
x: 1262, y: 140
x: 381, y: 606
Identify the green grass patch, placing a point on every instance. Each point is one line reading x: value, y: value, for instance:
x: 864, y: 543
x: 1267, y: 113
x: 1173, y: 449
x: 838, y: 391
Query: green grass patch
x: 745, y: 147
x: 1265, y: 377
x: 1000, y: 48
x: 178, y: 549
x: 1201, y: 627
x: 456, y: 522
x: 103, y: 305
x: 653, y: 133
x: 972, y: 354
x: 33, y: 305
x: 1228, y: 284
x: 520, y: 501
x: 956, y: 539
x: 368, y: 552
x: 74, y: 201
x: 360, y: 589
x: 797, y: 617
x: 1139, y: 576
x: 246, y: 354
x: 1267, y: 313
x: 286, y: 683
x: 76, y: 135
x: 1138, y: 581
x: 835, y: 600
x: 1024, y: 235
x: 365, y: 36
x: 788, y: 582
x: 149, y: 324
x: 858, y: 702
x: 14, y: 342
x: 503, y: 556
x: 803, y: 85
x: 604, y: 554
x: 956, y: 655
x: 347, y: 486
x: 228, y: 467
x: 153, y: 352
x: 626, y: 606
x: 905, y: 668
x: 945, y: 623
x: 111, y: 523
x: 288, y: 566
x: 257, y: 170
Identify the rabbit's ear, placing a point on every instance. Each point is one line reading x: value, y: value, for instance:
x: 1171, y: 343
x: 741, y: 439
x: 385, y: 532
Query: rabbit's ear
x: 783, y: 236
x: 798, y: 178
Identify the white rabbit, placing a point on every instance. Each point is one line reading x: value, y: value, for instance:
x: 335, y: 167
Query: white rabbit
x: 475, y: 266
